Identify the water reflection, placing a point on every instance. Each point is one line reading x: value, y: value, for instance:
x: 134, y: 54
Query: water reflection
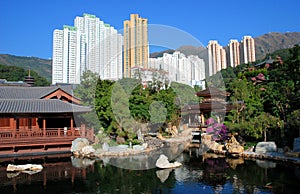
x: 199, y: 174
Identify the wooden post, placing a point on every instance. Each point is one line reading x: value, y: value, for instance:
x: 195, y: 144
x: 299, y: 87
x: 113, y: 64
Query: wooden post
x: 13, y: 126
x: 44, y: 127
x: 45, y: 180
x: 71, y: 126
x: 202, y: 119
x: 82, y: 130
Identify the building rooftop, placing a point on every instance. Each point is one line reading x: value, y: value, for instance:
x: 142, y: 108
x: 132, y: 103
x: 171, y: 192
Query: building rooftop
x: 18, y: 92
x: 39, y: 106
x: 16, y: 100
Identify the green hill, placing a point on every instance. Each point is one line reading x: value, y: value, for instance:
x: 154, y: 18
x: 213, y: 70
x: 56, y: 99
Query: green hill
x: 13, y: 73
x: 41, y: 66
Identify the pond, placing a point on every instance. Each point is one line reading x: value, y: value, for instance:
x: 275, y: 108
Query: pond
x: 198, y: 174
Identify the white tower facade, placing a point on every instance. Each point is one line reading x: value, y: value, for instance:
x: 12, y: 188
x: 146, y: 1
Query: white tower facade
x: 248, y: 49
x: 66, y: 56
x: 89, y: 45
x: 179, y: 68
x: 234, y: 53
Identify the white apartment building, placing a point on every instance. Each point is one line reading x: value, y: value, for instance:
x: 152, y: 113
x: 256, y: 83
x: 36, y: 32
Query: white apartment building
x: 248, y: 49
x: 234, y: 53
x: 98, y: 49
x: 66, y: 52
x: 179, y: 68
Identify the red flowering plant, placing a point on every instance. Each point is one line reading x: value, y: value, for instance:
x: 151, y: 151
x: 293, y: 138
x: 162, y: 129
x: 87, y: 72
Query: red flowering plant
x: 218, y: 131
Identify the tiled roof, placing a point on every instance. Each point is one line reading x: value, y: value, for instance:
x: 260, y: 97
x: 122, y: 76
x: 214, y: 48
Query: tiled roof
x: 212, y: 91
x: 13, y: 92
x: 39, y: 106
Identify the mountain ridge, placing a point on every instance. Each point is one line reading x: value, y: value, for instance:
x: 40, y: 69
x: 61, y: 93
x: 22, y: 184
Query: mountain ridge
x: 264, y: 45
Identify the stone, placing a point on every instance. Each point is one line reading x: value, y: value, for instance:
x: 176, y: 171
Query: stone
x: 206, y: 136
x: 78, y: 144
x: 220, y: 147
x: 139, y: 135
x: 163, y: 162
x: 24, y: 167
x: 264, y: 147
x: 250, y: 149
x: 159, y: 136
x: 235, y: 149
x: 174, y: 131
x: 105, y: 147
x: 120, y: 140
x: 153, y: 143
x: 145, y: 145
x: 296, y: 145
x: 233, y: 146
x: 87, y: 150
x: 138, y: 147
x: 119, y: 148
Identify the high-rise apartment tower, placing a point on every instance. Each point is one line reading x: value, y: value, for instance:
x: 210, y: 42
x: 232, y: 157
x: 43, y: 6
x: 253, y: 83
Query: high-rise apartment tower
x: 216, y: 57
x: 136, y: 49
x: 234, y: 53
x: 248, y: 49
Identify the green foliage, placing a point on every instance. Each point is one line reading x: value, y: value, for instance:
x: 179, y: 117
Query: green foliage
x: 40, y: 66
x: 262, y: 109
x: 86, y: 90
x: 13, y: 73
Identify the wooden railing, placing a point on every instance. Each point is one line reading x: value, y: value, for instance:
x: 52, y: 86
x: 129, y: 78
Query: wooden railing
x: 47, y: 135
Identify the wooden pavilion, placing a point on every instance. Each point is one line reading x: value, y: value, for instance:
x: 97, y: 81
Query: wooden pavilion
x: 39, y: 119
x: 212, y: 100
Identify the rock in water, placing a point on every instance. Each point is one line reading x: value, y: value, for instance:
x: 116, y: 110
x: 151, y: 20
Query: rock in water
x: 78, y: 144
x: 163, y: 162
x: 264, y: 147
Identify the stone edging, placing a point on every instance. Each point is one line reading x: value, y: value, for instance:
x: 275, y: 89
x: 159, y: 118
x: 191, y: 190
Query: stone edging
x: 275, y: 156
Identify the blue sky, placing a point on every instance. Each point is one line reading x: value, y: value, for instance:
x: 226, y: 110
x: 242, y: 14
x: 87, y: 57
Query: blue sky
x: 26, y: 26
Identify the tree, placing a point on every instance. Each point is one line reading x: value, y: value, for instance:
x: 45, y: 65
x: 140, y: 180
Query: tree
x: 265, y: 122
x: 86, y: 90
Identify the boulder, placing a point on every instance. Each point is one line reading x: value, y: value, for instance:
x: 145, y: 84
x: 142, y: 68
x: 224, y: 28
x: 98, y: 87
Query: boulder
x: 233, y: 146
x: 235, y: 149
x: 163, y: 162
x: 86, y: 150
x: 264, y: 147
x: 138, y: 147
x: 78, y: 144
x: 120, y: 140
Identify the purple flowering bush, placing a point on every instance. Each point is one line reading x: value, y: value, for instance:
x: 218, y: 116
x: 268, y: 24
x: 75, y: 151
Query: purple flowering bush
x: 218, y: 131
